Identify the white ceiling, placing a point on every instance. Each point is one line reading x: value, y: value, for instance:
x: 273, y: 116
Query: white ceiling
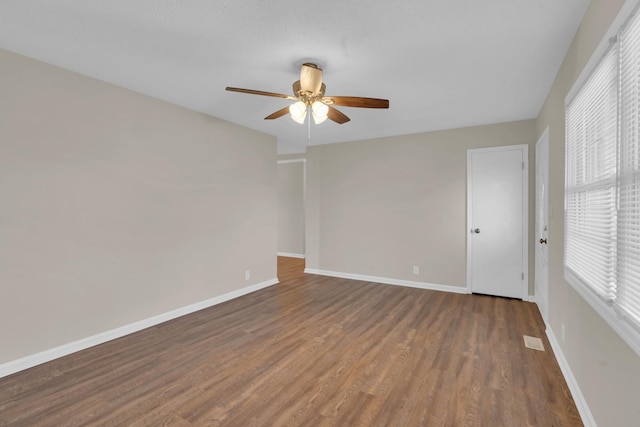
x: 442, y: 63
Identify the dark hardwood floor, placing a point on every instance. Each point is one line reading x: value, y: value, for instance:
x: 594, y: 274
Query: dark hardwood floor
x: 311, y: 351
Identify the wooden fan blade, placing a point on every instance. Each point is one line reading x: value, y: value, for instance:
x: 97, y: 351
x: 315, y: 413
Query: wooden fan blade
x: 259, y: 92
x: 310, y: 78
x: 278, y: 113
x: 337, y: 116
x: 356, y: 101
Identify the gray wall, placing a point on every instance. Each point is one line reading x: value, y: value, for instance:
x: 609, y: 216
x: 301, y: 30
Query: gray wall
x: 291, y: 207
x: 380, y: 206
x: 605, y: 368
x: 116, y: 207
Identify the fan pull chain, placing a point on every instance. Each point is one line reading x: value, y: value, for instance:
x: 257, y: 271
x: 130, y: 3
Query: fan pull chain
x: 308, y: 125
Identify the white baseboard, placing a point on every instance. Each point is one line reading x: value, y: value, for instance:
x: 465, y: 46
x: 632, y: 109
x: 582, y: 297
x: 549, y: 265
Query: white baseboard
x: 576, y: 393
x: 30, y: 361
x: 289, y: 255
x: 388, y: 281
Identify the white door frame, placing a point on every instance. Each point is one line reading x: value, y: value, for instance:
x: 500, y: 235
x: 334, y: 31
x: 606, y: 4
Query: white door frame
x: 525, y: 214
x: 542, y: 283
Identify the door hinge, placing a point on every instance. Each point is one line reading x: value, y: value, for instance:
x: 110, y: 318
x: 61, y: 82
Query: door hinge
x: 522, y: 165
x: 522, y: 276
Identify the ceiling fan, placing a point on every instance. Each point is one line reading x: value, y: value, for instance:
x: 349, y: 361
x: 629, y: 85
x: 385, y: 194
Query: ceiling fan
x: 308, y: 92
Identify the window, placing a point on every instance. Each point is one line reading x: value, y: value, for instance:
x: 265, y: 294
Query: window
x: 602, y: 186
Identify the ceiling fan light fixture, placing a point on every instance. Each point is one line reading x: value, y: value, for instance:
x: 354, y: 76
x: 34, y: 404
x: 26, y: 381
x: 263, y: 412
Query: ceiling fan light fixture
x: 298, y: 112
x: 309, y: 97
x: 320, y: 112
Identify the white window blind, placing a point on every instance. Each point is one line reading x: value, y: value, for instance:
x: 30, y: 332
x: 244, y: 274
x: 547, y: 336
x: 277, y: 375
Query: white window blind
x: 602, y: 185
x: 628, y: 262
x: 590, y: 180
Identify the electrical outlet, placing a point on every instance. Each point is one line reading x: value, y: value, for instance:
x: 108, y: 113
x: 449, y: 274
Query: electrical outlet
x: 563, y: 332
x: 416, y: 270
x: 247, y: 275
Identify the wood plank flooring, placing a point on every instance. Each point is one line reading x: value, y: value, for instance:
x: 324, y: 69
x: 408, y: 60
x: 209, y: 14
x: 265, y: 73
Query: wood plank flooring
x: 311, y: 351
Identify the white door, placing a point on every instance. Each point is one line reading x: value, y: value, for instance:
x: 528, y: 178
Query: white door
x: 542, y: 225
x: 497, y: 221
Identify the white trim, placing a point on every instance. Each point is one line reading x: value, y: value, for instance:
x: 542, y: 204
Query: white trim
x: 292, y: 161
x: 525, y: 221
x: 574, y: 388
x: 287, y: 254
x: 525, y: 213
x: 30, y: 361
x: 388, y: 281
x: 468, y: 223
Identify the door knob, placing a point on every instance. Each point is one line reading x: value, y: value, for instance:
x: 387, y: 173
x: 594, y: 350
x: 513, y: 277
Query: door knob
x: 543, y: 241
x: 476, y: 230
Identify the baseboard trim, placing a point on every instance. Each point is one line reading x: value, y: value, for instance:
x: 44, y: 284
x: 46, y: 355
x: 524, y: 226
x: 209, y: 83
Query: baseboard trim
x: 388, y: 281
x: 574, y: 388
x: 30, y: 361
x: 289, y: 255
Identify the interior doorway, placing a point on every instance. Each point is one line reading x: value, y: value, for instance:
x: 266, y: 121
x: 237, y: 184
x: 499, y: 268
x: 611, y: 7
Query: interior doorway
x: 291, y: 212
x: 542, y: 225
